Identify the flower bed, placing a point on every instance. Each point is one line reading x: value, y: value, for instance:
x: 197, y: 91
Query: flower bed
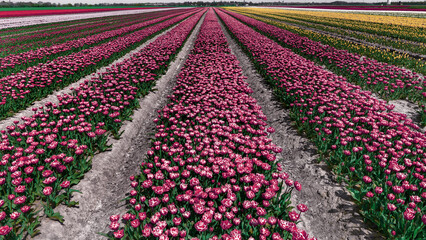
x: 50, y: 151
x: 366, y: 8
x: 17, y: 90
x: 211, y: 172
x: 374, y: 150
x: 409, y: 28
x: 45, y: 27
x: 323, y: 31
x: 25, y: 13
x: 390, y: 81
x: 15, y: 62
x: 17, y: 44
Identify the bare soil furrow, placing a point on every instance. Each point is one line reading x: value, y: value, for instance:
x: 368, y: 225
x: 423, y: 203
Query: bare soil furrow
x: 359, y: 32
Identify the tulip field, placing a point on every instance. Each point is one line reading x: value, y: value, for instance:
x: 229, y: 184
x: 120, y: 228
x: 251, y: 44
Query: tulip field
x: 211, y: 169
x: 17, y: 88
x: 401, y: 46
x: 37, y: 11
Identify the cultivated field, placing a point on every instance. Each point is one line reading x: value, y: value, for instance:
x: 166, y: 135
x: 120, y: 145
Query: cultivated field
x: 214, y: 123
x: 25, y: 20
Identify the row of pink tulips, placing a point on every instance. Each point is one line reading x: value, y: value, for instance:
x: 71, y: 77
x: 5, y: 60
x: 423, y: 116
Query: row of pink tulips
x: 17, y: 62
x: 20, y: 90
x: 211, y: 171
x: 375, y: 150
x: 49, y: 31
x: 48, y: 152
x: 46, y: 32
x: 19, y: 43
x: 391, y: 82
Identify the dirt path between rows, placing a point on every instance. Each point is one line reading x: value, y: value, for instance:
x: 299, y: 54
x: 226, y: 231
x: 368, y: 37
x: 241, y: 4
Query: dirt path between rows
x: 332, y: 214
x: 107, y: 183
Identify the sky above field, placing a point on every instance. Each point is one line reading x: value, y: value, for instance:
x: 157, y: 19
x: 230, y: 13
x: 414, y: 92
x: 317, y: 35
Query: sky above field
x: 157, y: 1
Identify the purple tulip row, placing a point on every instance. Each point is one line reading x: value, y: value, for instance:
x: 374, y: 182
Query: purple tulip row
x: 376, y: 151
x: 211, y: 171
x: 21, y: 89
x: 390, y: 81
x: 15, y: 62
x: 46, y: 153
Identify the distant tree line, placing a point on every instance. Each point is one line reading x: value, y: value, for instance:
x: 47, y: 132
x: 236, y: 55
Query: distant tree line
x: 26, y: 4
